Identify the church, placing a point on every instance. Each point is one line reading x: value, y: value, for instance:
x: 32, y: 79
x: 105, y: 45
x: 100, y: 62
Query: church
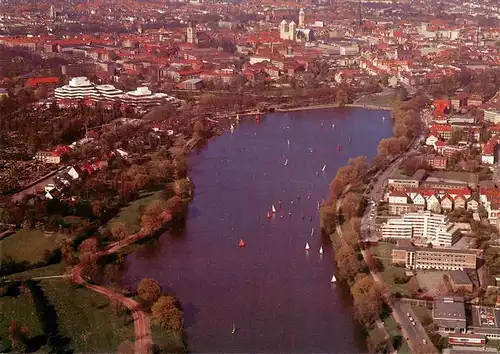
x: 290, y: 31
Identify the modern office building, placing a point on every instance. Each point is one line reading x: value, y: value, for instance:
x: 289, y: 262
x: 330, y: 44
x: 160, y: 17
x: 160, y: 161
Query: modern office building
x: 81, y: 88
x: 433, y: 258
x: 422, y: 227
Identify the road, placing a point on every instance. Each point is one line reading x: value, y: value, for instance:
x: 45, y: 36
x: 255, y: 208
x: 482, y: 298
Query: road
x: 413, y: 332
x: 142, y: 327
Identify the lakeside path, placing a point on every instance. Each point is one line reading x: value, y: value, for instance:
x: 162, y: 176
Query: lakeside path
x: 142, y: 327
x: 332, y: 105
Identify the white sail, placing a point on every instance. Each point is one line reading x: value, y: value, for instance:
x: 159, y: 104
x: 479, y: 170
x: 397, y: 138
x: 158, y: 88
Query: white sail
x: 288, y: 142
x: 333, y: 279
x: 318, y: 205
x: 273, y: 209
x: 324, y: 168
x: 237, y: 117
x: 286, y: 162
x: 232, y: 128
x: 321, y: 250
x: 333, y: 126
x: 307, y: 246
x: 312, y: 231
x: 383, y: 118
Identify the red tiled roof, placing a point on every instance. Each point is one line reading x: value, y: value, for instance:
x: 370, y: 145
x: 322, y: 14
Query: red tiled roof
x: 34, y: 81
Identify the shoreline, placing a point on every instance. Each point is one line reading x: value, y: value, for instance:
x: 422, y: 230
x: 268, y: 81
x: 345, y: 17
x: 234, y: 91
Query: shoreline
x: 333, y: 105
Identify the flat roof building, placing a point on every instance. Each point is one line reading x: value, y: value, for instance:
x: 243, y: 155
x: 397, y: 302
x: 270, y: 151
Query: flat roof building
x: 434, y: 258
x: 423, y: 227
x: 449, y: 314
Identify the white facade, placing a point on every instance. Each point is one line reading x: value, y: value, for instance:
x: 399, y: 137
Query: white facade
x: 288, y: 31
x: 423, y: 228
x: 142, y: 96
x: 492, y: 115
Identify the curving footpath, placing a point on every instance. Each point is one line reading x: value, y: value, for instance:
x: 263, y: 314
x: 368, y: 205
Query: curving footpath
x: 142, y: 327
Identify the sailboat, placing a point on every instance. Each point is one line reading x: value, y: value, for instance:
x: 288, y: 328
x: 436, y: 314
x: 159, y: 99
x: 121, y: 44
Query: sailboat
x: 233, y: 331
x: 333, y: 279
x: 273, y: 209
x: 333, y: 126
x: 318, y: 205
x: 288, y: 142
x: 324, y: 168
x: 237, y: 117
x: 383, y: 118
x: 312, y: 231
x: 232, y: 128
x: 321, y: 124
x: 286, y: 162
x: 321, y: 250
x: 307, y: 246
x: 241, y: 244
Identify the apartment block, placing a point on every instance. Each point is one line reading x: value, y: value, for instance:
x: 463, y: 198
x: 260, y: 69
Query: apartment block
x: 422, y: 227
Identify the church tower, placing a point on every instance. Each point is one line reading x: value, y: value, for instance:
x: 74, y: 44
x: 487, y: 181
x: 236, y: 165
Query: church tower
x: 53, y: 13
x: 292, y: 27
x: 191, y: 33
x: 283, y: 30
x: 302, y: 18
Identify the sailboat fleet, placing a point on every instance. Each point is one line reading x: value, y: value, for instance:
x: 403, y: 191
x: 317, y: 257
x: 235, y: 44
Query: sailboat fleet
x: 270, y: 214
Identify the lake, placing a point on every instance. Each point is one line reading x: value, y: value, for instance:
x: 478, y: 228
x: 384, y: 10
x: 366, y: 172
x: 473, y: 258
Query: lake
x: 278, y: 295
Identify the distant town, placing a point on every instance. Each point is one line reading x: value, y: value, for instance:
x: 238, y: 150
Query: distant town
x: 101, y: 103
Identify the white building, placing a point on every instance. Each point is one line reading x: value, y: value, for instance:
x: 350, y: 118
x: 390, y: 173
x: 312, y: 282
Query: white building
x: 142, y: 96
x: 78, y: 88
x: 422, y: 227
x: 492, y: 115
x: 288, y: 31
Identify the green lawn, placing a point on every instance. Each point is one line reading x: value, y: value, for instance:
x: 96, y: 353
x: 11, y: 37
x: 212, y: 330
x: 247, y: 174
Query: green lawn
x: 391, y: 327
x: 22, y: 310
x: 383, y: 252
x: 86, y: 318
x: 377, y: 100
x: 53, y: 269
x: 131, y: 214
x: 29, y: 245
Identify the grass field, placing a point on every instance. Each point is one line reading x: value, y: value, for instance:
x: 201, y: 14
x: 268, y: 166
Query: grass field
x: 87, y: 318
x: 29, y: 245
x: 22, y: 310
x: 131, y: 214
x: 377, y: 100
x: 391, y: 327
x: 165, y: 339
x: 50, y: 270
x: 383, y: 252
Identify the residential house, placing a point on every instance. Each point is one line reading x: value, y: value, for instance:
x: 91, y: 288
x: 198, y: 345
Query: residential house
x: 418, y: 199
x: 442, y: 130
x: 433, y: 203
x: 459, y: 100
x: 460, y: 202
x: 447, y: 203
x: 436, y: 162
x: 431, y: 140
x: 472, y: 204
x: 475, y: 100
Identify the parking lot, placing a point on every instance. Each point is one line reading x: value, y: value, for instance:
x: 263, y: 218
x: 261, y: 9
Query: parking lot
x: 485, y: 316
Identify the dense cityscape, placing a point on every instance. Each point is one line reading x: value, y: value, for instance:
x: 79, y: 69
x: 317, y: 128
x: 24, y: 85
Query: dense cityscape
x: 188, y: 175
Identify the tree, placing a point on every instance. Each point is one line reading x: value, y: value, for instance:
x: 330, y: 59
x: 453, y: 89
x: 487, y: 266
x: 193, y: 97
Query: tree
x: 413, y: 286
x: 119, y: 230
x: 18, y: 337
x: 199, y: 129
x: 351, y: 237
x: 154, y: 216
x: 348, y: 264
x: 68, y: 254
x: 167, y: 314
x: 149, y: 290
x: 367, y: 300
x: 126, y: 347
x: 174, y: 206
x: 88, y: 246
x: 350, y: 205
x: 341, y: 98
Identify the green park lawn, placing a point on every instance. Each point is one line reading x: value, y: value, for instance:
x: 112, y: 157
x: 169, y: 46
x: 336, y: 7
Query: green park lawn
x: 29, y: 245
x: 87, y: 318
x: 131, y: 214
x: 84, y: 317
x: 47, y: 271
x: 383, y: 252
x: 377, y: 100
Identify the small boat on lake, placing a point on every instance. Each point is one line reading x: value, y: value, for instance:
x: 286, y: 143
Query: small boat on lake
x: 237, y: 118
x: 273, y: 209
x: 333, y: 126
x: 268, y: 215
x: 334, y: 280
x: 241, y: 244
x: 318, y: 205
x: 232, y: 128
x: 312, y: 231
x: 288, y: 142
x: 307, y: 246
x: 286, y: 162
x: 257, y: 118
x: 383, y: 118
x: 321, y: 250
x: 321, y: 124
x: 324, y: 168
x: 233, y: 331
